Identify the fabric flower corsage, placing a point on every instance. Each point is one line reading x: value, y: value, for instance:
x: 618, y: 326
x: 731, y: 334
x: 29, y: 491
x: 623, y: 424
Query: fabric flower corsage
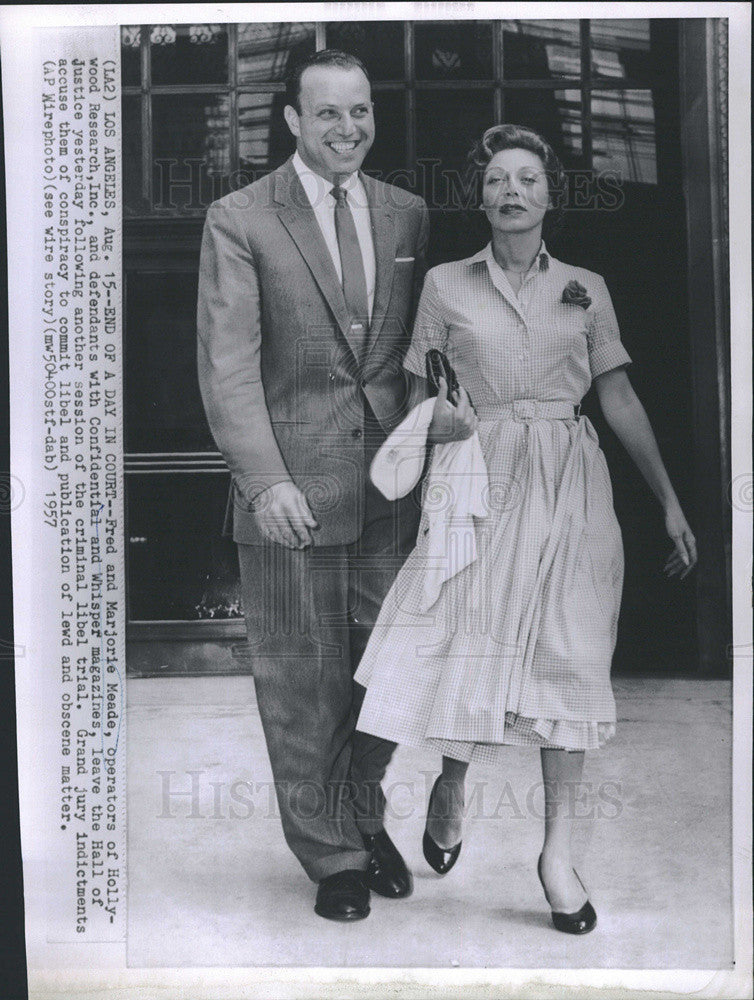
x: 574, y: 294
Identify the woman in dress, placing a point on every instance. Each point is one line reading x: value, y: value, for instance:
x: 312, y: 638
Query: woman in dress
x: 517, y: 647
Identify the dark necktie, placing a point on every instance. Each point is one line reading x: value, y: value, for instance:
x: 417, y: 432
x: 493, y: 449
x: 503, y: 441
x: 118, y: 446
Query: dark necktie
x: 352, y: 267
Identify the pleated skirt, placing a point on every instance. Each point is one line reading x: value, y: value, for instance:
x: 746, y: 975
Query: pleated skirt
x: 517, y: 649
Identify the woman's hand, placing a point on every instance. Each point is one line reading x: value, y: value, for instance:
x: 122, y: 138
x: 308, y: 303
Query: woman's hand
x: 683, y: 557
x: 449, y: 422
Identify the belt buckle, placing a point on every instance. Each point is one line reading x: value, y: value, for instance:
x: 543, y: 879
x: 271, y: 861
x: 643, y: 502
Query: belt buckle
x: 524, y: 410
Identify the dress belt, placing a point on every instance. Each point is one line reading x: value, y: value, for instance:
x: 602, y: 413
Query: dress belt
x: 526, y: 410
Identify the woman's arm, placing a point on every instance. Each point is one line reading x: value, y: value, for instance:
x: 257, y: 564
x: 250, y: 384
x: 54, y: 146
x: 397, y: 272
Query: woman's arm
x: 628, y: 419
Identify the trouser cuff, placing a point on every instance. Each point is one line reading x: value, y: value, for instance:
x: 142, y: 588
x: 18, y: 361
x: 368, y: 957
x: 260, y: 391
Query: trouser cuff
x: 337, y: 863
x: 368, y: 825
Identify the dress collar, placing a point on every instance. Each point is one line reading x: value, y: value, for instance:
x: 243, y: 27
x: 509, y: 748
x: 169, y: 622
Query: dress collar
x: 542, y: 260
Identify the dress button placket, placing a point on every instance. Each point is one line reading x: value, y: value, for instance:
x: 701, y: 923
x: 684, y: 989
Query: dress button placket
x: 525, y: 354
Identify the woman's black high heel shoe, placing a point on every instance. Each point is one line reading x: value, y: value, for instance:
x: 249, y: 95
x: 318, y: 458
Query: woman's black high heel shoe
x: 441, y: 859
x: 580, y: 922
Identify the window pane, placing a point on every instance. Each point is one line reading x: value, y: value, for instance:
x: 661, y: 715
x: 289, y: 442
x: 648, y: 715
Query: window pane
x: 191, y: 145
x: 555, y: 114
x: 453, y: 50
x: 448, y: 122
x: 264, y: 139
x: 131, y: 110
x: 179, y: 566
x: 388, y: 154
x: 621, y: 49
x: 266, y: 51
x: 541, y: 50
x: 189, y: 53
x: 163, y: 410
x: 130, y: 55
x: 379, y: 45
x: 623, y: 127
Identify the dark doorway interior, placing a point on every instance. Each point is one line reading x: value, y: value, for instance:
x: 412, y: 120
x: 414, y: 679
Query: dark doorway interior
x: 606, y: 94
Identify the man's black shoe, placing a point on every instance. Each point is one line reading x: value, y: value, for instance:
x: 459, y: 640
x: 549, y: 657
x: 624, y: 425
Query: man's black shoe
x: 343, y: 896
x: 387, y: 873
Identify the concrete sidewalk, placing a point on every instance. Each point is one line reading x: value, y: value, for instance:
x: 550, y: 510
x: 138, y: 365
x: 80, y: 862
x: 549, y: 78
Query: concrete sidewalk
x: 212, y: 883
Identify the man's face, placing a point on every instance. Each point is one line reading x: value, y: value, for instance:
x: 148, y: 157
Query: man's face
x: 335, y: 129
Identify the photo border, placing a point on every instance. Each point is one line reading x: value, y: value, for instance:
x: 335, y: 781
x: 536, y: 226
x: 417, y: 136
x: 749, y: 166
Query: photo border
x: 17, y: 24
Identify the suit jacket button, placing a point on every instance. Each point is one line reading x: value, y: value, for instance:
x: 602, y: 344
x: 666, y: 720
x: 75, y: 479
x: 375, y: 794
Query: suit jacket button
x: 356, y: 432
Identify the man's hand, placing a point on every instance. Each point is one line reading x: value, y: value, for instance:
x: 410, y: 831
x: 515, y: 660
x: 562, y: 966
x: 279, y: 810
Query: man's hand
x: 449, y: 422
x: 283, y: 515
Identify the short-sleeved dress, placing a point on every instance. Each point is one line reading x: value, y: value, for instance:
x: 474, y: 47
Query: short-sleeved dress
x: 518, y: 646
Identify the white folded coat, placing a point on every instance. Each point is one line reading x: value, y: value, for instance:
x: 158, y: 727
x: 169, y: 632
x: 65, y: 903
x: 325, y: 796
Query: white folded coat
x: 456, y: 492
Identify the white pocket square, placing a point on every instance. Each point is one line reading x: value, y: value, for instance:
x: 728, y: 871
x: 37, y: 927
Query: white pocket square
x: 404, y: 260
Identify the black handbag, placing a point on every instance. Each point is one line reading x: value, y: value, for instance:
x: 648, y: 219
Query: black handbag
x: 439, y: 367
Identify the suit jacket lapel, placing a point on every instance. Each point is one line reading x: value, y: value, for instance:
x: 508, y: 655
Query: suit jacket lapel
x: 383, y: 235
x: 299, y: 219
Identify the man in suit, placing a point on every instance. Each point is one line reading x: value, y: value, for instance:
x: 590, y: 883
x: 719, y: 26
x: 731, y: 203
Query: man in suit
x: 309, y: 279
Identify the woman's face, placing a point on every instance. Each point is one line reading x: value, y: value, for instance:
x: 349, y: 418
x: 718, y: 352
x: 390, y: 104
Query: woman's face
x: 515, y: 194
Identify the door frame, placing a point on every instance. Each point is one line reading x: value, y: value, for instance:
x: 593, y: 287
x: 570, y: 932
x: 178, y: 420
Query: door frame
x: 704, y: 149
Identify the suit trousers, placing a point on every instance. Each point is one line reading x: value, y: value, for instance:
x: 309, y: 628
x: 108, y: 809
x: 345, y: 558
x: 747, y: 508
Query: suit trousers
x: 308, y: 615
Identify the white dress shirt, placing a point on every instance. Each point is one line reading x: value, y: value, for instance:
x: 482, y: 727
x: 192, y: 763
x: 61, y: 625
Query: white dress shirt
x: 317, y: 190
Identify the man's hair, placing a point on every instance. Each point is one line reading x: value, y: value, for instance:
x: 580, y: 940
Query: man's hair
x: 508, y: 136
x: 327, y: 57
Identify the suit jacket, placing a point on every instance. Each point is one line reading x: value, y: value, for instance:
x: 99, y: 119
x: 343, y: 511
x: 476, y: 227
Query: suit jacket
x: 282, y: 381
